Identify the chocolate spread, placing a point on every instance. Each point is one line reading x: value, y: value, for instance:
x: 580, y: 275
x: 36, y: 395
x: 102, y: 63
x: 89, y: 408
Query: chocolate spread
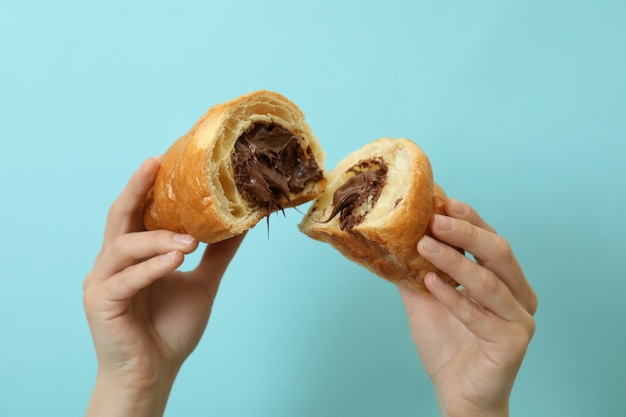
x: 362, y: 188
x: 270, y: 164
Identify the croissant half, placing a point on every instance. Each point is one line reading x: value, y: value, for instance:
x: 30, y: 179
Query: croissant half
x: 376, y: 207
x: 242, y: 160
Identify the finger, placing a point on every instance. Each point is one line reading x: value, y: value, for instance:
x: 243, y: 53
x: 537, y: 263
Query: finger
x: 490, y: 250
x: 480, y: 283
x: 460, y: 210
x: 127, y: 283
x: 423, y: 310
x: 125, y: 212
x: 478, y: 320
x: 131, y: 248
x: 215, y: 260
x: 412, y: 299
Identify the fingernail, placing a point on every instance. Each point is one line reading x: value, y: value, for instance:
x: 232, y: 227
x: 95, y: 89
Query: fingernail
x: 444, y: 222
x: 436, y: 280
x: 183, y: 239
x: 458, y: 207
x: 168, y: 257
x: 431, y: 245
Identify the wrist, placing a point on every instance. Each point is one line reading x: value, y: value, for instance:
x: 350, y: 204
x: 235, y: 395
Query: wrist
x: 128, y: 396
x: 473, y: 411
x: 463, y: 407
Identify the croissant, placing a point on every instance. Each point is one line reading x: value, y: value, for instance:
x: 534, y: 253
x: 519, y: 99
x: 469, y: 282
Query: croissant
x: 376, y: 207
x: 241, y: 161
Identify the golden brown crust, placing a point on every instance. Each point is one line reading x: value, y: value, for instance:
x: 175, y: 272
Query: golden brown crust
x: 194, y: 191
x: 386, y: 240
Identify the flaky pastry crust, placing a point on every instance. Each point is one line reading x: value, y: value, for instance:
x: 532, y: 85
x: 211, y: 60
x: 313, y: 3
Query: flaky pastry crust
x: 385, y: 241
x: 195, y: 191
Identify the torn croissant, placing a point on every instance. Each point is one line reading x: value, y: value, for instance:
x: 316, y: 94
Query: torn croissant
x: 241, y: 161
x: 376, y: 206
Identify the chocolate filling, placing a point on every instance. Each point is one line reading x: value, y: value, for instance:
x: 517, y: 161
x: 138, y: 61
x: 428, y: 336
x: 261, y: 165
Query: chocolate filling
x: 363, y: 188
x: 270, y: 164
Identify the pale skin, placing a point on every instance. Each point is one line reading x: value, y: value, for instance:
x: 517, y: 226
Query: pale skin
x: 472, y: 340
x: 146, y: 317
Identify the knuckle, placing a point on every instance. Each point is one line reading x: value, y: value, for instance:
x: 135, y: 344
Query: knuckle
x: 532, y: 303
x: 119, y: 245
x: 502, y: 247
x: 90, y: 297
x: 524, y: 331
x: 471, y: 313
x: 455, y: 259
x: 116, y: 208
x: 517, y: 341
x: 469, y: 234
x: 531, y: 326
x: 87, y: 283
x: 486, y: 282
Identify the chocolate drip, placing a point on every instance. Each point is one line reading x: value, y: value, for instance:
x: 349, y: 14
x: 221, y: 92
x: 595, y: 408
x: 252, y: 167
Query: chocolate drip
x: 270, y: 164
x: 364, y: 187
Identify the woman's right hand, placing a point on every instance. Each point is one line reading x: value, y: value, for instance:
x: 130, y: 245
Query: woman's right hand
x: 145, y: 316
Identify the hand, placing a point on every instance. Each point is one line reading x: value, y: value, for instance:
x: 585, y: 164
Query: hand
x: 145, y: 317
x: 471, y: 340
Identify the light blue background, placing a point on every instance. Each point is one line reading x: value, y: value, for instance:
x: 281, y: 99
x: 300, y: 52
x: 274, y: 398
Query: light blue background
x: 521, y: 106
